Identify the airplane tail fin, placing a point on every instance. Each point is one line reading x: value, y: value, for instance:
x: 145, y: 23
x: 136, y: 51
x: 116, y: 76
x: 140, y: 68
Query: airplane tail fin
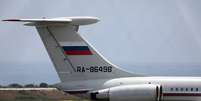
x: 73, y: 57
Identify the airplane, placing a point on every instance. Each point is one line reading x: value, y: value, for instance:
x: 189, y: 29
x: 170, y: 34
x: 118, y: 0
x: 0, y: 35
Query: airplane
x: 83, y: 70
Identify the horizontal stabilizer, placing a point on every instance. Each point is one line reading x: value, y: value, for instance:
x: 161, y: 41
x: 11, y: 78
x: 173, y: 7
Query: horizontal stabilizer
x: 40, y: 20
x: 82, y: 20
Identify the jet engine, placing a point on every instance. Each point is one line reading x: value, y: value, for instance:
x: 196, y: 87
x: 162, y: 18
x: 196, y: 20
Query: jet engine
x: 141, y: 92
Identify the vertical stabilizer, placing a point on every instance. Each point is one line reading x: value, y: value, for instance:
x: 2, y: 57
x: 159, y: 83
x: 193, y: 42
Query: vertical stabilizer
x: 72, y: 56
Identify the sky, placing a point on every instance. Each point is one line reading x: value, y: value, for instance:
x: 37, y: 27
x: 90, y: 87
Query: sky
x: 150, y: 37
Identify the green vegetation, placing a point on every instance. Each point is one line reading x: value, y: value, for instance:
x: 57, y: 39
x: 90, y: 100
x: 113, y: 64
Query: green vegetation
x: 16, y: 85
x: 35, y: 95
x: 42, y: 95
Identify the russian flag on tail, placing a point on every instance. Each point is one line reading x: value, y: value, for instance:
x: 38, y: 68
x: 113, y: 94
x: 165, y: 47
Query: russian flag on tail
x: 77, y: 50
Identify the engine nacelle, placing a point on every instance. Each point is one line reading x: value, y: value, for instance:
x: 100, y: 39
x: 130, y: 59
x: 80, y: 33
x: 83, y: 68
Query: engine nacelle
x: 141, y: 92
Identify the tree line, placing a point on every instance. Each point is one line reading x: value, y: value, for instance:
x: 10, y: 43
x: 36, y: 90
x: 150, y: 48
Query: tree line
x: 16, y: 85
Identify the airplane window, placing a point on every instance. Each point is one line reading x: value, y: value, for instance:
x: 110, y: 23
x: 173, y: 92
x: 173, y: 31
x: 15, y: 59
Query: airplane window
x: 186, y: 89
x: 171, y: 89
x: 191, y: 89
x: 197, y: 89
x: 176, y: 89
x: 181, y: 89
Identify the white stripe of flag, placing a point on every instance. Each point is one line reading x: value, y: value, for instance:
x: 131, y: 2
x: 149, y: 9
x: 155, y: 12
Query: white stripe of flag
x: 73, y: 43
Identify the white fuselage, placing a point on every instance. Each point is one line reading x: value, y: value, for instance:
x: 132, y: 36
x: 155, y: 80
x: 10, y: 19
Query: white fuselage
x: 173, y: 88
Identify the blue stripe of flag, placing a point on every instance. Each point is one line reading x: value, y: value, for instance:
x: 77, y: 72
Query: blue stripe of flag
x: 68, y: 48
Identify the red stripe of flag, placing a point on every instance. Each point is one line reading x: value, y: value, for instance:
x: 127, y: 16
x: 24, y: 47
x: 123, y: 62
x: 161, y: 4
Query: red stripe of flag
x: 78, y: 52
